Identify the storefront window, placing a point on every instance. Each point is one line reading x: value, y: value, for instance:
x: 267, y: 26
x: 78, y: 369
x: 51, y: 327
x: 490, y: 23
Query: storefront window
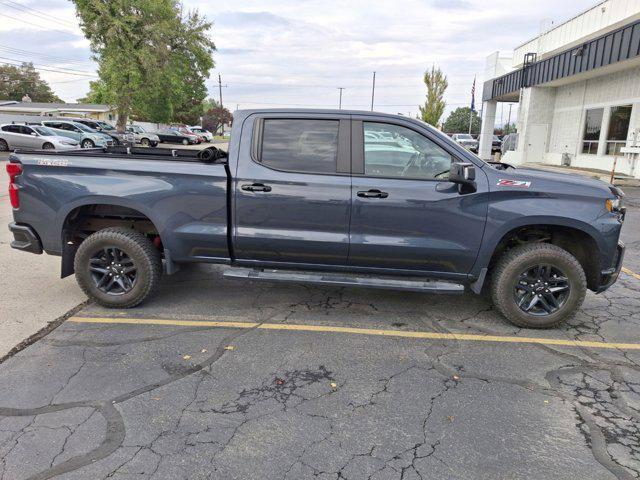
x: 618, y: 129
x: 593, y: 124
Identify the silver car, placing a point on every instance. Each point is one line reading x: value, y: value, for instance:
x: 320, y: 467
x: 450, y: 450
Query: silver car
x: 87, y: 137
x: 33, y: 137
x: 466, y: 140
x: 141, y: 136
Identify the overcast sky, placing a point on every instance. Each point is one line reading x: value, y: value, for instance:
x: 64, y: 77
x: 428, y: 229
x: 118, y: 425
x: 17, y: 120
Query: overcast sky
x: 298, y: 52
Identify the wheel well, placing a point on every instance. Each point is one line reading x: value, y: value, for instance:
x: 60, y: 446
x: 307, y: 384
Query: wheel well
x: 578, y: 243
x: 87, y: 219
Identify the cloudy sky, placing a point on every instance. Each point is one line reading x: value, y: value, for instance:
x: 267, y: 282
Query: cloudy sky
x: 298, y: 52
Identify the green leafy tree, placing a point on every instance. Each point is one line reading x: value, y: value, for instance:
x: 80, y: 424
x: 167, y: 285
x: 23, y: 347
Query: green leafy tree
x: 433, y: 108
x: 215, y: 116
x: 458, y: 121
x: 152, y: 60
x: 509, y: 128
x: 18, y: 81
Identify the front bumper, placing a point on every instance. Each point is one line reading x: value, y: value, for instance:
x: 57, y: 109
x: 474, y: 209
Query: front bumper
x: 610, y: 276
x: 62, y: 146
x: 25, y: 238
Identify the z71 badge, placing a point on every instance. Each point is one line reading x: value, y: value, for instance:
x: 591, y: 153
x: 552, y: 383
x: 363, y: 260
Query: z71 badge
x: 513, y: 183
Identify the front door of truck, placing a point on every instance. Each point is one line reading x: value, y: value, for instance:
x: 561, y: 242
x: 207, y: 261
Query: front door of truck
x: 292, y: 190
x: 405, y: 214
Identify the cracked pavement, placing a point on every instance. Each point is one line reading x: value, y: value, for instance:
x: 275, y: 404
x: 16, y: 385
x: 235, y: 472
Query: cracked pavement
x: 124, y: 401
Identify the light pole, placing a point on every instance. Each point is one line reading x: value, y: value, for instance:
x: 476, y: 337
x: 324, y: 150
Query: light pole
x: 340, y: 101
x: 373, y: 90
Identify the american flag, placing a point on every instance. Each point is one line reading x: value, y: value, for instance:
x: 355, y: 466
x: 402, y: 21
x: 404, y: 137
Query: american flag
x: 473, y: 95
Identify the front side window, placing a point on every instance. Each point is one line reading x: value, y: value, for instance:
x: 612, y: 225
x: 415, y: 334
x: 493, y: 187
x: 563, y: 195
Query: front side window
x: 592, y: 126
x: 308, y: 146
x: 618, y: 129
x: 395, y: 151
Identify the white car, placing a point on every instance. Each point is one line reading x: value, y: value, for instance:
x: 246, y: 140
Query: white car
x: 201, y: 131
x: 33, y: 137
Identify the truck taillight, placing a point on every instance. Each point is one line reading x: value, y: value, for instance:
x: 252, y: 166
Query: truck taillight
x: 14, y: 169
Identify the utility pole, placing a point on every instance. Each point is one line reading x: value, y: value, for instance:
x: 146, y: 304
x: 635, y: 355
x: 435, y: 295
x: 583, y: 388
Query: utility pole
x: 220, y: 90
x: 373, y: 90
x: 340, y: 101
x: 509, y: 119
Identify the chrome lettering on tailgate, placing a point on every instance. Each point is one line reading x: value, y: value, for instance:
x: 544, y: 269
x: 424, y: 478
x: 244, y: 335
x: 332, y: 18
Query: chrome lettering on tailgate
x: 53, y: 162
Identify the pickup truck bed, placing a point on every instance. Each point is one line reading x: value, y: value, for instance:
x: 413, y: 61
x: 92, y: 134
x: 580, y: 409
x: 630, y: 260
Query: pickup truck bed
x: 369, y: 199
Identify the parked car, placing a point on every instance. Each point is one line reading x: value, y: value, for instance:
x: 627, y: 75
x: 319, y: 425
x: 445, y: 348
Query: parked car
x: 33, y: 137
x: 101, y: 126
x: 208, y: 136
x: 496, y: 144
x: 185, y: 131
x: 87, y: 137
x: 466, y: 140
x: 296, y: 200
x: 170, y: 135
x: 141, y: 136
x: 509, y: 143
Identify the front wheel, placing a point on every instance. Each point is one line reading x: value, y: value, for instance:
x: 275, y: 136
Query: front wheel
x: 185, y: 142
x: 87, y: 143
x: 117, y: 267
x: 145, y: 142
x: 538, y: 285
x: 48, y: 146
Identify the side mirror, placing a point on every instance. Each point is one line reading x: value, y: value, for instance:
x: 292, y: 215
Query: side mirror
x: 464, y: 174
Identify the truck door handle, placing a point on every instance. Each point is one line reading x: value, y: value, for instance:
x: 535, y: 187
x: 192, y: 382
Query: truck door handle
x: 256, y: 187
x: 373, y: 193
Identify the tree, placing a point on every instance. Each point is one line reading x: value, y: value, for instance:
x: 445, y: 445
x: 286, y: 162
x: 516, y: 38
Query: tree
x: 152, y: 60
x: 18, y: 81
x: 433, y: 108
x: 458, y: 121
x: 215, y: 116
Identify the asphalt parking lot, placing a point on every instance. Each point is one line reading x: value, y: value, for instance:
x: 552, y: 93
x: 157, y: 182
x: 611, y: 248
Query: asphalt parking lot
x: 226, y: 379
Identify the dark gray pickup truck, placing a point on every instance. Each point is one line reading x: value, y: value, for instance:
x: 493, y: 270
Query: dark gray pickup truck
x: 323, y: 196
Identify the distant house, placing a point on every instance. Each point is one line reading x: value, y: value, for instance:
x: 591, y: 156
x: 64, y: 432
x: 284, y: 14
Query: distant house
x: 88, y: 110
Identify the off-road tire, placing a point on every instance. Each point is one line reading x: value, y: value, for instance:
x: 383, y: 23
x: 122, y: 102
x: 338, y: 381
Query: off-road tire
x: 506, y: 274
x: 138, y: 247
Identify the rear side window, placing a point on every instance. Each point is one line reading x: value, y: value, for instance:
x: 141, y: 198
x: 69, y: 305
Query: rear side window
x: 308, y: 146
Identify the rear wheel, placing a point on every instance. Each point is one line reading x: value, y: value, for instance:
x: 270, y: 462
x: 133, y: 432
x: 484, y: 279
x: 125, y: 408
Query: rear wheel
x: 4, y: 146
x: 118, y: 267
x: 87, y: 143
x: 185, y: 142
x: 538, y: 285
x: 48, y: 146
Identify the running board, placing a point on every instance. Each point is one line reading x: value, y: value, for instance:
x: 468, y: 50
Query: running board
x: 346, y: 280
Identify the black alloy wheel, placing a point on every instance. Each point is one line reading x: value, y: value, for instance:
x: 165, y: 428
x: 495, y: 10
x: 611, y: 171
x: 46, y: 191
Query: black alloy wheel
x: 113, y: 271
x: 541, y: 290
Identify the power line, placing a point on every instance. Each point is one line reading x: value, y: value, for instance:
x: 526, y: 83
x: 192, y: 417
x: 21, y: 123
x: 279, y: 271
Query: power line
x: 34, y: 12
x: 70, y: 70
x: 49, y: 69
x: 19, y: 51
x: 65, y: 32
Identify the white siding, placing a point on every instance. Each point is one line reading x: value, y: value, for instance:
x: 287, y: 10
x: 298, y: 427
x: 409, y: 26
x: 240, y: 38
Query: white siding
x: 590, y: 24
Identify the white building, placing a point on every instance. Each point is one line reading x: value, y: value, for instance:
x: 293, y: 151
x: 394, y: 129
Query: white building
x: 578, y: 89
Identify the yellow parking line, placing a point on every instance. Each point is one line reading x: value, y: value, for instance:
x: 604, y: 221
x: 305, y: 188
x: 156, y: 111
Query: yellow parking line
x: 631, y: 272
x: 359, y: 331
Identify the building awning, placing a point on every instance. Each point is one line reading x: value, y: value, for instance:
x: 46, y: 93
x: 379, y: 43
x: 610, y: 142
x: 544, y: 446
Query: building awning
x: 611, y: 48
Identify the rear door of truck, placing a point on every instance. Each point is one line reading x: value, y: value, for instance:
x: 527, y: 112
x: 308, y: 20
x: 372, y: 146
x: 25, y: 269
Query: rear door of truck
x: 292, y: 189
